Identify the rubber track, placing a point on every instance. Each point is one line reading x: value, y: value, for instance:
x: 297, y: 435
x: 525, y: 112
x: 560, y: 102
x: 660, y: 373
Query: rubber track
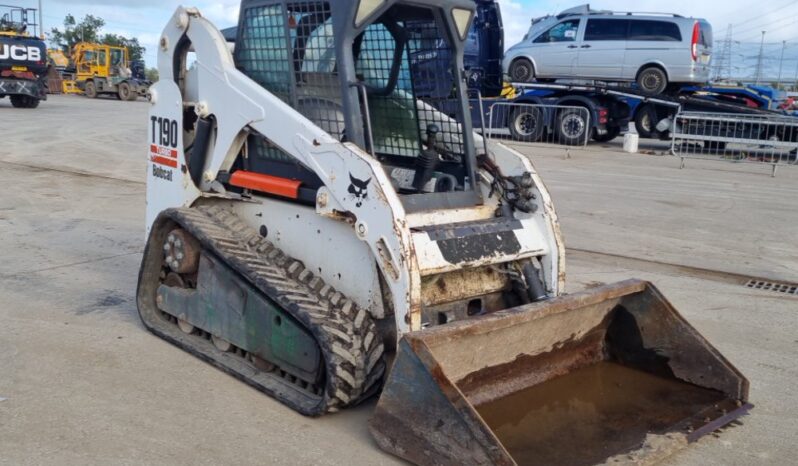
x: 345, y: 333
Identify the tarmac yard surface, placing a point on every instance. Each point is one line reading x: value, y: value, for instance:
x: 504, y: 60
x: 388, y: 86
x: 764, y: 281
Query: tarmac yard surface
x: 82, y: 382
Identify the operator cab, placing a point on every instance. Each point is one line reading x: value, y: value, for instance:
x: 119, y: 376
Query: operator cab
x: 352, y: 68
x: 18, y: 21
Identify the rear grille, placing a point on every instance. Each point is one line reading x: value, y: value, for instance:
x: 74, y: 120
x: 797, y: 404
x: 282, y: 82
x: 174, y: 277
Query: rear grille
x: 786, y: 288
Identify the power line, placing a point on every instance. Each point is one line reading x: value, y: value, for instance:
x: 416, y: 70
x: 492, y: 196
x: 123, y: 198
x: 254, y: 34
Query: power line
x: 747, y: 8
x: 747, y: 23
x: 770, y: 26
x: 759, y: 59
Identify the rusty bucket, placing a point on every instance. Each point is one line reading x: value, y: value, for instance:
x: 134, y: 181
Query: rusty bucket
x: 612, y: 374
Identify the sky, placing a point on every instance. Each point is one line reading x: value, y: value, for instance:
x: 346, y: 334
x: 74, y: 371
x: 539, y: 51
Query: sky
x: 145, y: 19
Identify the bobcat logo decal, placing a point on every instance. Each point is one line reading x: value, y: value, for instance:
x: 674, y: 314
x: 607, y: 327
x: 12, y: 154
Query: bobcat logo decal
x: 359, y: 189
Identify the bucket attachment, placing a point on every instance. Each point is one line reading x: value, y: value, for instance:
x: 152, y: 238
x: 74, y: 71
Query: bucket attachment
x: 613, y: 374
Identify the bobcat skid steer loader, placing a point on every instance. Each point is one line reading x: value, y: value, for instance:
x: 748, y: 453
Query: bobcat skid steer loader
x: 319, y: 230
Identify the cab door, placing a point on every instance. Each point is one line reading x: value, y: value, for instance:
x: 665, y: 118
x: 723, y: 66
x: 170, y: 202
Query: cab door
x: 118, y: 61
x: 101, y: 63
x: 555, y: 51
x: 85, y: 62
x: 603, y: 48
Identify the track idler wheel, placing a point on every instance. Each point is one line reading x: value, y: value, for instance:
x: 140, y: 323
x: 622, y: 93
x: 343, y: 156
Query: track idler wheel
x: 181, y: 252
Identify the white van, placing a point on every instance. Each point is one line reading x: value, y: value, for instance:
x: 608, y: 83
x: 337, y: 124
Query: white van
x: 651, y: 49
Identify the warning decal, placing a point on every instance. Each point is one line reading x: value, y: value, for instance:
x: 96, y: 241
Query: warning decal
x: 163, y: 156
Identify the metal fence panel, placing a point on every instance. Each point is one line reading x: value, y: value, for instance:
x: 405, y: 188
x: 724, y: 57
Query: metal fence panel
x: 763, y: 139
x: 539, y: 123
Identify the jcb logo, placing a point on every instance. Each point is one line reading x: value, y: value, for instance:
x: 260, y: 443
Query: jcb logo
x: 20, y: 53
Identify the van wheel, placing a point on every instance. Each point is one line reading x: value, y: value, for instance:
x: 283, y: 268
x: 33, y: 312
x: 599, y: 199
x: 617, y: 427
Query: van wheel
x: 652, y: 80
x: 522, y: 71
x: 526, y: 124
x: 572, y: 127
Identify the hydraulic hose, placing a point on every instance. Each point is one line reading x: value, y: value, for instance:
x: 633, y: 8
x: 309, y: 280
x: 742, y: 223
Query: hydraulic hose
x: 202, y: 140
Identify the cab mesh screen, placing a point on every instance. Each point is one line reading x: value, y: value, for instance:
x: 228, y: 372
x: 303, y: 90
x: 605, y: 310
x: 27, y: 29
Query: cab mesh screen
x: 403, y: 102
x: 404, y: 57
x: 290, y: 51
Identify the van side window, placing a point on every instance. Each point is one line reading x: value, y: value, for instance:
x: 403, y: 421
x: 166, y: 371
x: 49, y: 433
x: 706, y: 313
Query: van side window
x: 654, y: 30
x: 606, y: 29
x: 561, y: 32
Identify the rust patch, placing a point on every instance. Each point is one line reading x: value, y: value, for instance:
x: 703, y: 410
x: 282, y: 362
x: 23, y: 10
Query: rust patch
x: 417, y: 345
x: 437, y: 374
x: 461, y: 284
x: 526, y: 370
x: 609, y: 295
x: 386, y: 260
x: 441, y: 284
x: 593, y: 284
x: 344, y: 216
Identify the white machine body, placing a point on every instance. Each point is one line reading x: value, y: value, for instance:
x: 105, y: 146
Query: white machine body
x: 361, y: 241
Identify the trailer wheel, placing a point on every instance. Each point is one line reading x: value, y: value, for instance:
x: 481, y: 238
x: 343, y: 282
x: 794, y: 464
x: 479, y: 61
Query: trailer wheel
x: 24, y: 101
x: 91, y: 90
x: 572, y: 127
x: 646, y: 121
x: 526, y: 124
x: 652, y: 80
x: 522, y: 71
